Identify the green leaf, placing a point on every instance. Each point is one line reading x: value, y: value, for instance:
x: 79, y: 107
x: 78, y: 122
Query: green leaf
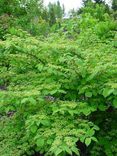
x: 45, y: 122
x: 33, y: 129
x: 38, y: 123
x: 80, y: 62
x: 71, y: 112
x: 61, y: 91
x: 24, y: 100
x: 75, y: 150
x: 86, y: 112
x: 94, y: 139
x: 40, y: 142
x: 90, y: 132
x: 68, y: 150
x: 32, y: 100
x: 82, y: 138
x: 88, y: 94
x: 49, y: 141
x: 107, y: 92
x: 53, y: 92
x: 102, y: 107
x: 115, y: 92
x: 58, y: 151
x: 40, y: 67
x: 87, y: 141
x: 96, y: 127
x: 115, y: 102
x: 9, y: 108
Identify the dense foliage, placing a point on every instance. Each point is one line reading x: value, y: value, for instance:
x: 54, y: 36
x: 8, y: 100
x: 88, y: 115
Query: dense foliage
x: 58, y: 94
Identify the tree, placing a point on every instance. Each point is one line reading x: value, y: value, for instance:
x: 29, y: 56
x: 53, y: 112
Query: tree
x: 10, y: 7
x: 45, y: 14
x: 21, y: 7
x: 99, y: 1
x: 52, y: 16
x: 58, y: 10
x: 114, y: 5
x: 33, y: 7
x: 85, y: 2
x: 55, y: 12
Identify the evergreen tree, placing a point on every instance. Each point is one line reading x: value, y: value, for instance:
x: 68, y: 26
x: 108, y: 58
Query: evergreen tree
x: 63, y: 8
x: 45, y: 14
x: 99, y: 1
x: 85, y: 2
x: 114, y: 5
x: 55, y: 12
x: 52, y: 16
x: 59, y: 10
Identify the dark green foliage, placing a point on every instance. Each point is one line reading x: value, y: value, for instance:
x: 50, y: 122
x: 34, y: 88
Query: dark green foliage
x: 55, y: 12
x: 23, y: 12
x: 85, y: 2
x: 9, y: 7
x: 52, y: 16
x: 99, y: 1
x: 4, y: 25
x: 20, y: 7
x: 59, y: 10
x: 114, y: 5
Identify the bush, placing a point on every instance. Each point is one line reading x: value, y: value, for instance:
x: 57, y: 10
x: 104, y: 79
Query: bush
x: 57, y: 94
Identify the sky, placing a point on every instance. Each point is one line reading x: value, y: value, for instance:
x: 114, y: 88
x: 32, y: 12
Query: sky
x: 69, y: 4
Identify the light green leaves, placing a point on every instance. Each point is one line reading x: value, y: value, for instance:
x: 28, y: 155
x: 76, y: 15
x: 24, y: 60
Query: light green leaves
x: 90, y: 132
x: 45, y: 122
x: 75, y: 150
x: 86, y: 111
x: 115, y: 102
x: 58, y: 151
x: 28, y: 100
x: 90, y: 136
x: 107, y: 92
x: 88, y: 94
x: 49, y: 141
x: 33, y: 128
x: 40, y: 142
x: 40, y: 67
x: 67, y: 149
x: 94, y: 139
x: 59, y: 87
x: 87, y: 141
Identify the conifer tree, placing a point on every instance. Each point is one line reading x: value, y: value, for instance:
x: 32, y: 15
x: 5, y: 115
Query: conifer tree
x: 114, y: 5
x: 52, y: 16
x: 85, y: 2
x: 99, y: 1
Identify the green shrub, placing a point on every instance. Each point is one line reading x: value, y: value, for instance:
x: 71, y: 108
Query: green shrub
x: 59, y: 92
x: 55, y: 94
